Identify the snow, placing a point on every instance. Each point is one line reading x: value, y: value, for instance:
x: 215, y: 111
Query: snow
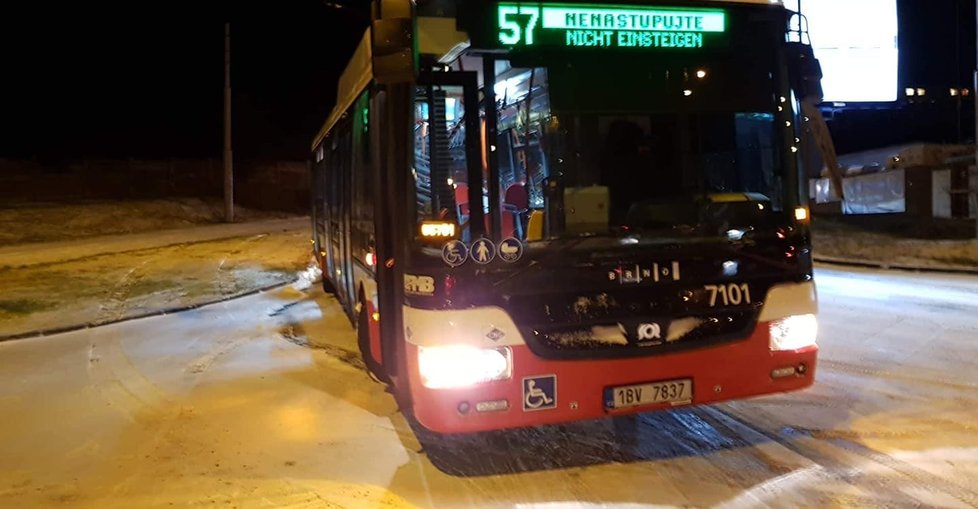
x: 139, y: 280
x: 89, y: 276
x: 835, y: 243
x: 261, y: 402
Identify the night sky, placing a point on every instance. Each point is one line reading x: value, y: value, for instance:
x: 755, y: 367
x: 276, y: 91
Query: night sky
x: 144, y: 79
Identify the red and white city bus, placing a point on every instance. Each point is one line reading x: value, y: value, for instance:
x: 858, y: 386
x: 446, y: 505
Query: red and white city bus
x: 540, y: 212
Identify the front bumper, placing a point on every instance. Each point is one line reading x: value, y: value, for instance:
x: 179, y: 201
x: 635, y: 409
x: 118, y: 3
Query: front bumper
x: 732, y: 371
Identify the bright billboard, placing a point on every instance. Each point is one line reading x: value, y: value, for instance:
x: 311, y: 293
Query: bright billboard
x: 856, y: 42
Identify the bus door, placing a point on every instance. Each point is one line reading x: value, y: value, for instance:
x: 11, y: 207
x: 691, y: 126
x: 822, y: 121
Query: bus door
x: 339, y: 220
x: 319, y: 211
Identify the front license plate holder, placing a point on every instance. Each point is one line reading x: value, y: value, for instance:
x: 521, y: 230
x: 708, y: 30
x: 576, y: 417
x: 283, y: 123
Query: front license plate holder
x: 668, y: 392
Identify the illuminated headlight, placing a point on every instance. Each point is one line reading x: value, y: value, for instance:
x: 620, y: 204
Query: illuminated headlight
x: 449, y: 367
x: 794, y: 333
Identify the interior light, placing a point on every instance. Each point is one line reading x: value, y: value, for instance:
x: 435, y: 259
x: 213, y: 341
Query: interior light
x: 735, y: 234
x: 730, y: 268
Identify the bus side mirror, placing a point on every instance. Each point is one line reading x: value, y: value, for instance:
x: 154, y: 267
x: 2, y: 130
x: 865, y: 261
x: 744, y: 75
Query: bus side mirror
x: 804, y: 72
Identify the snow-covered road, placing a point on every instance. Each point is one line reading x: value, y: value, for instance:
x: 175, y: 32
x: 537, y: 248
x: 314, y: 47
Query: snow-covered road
x: 260, y: 402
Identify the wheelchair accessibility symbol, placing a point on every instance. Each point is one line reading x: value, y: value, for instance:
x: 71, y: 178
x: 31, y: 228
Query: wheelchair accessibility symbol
x: 454, y: 253
x: 540, y: 393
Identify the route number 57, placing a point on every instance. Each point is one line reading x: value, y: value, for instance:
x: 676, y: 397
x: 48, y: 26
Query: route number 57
x: 728, y: 295
x: 510, y: 28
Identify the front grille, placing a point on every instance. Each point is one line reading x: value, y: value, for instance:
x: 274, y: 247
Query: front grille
x: 638, y: 336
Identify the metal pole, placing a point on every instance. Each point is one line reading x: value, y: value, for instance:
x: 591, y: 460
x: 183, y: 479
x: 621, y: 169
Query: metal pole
x: 228, y: 155
x: 957, y: 72
x: 491, y: 141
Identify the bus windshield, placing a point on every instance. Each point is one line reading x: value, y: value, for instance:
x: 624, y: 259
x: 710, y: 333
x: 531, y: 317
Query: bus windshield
x: 605, y: 146
x: 661, y: 152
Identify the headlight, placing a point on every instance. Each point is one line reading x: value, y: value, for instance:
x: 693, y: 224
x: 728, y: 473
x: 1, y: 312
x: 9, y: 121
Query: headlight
x: 448, y: 367
x: 794, y: 333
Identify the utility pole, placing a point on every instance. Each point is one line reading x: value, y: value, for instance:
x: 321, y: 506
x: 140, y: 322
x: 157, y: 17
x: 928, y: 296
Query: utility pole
x: 228, y: 155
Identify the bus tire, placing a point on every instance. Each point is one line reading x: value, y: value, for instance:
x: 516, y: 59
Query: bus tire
x: 374, y: 369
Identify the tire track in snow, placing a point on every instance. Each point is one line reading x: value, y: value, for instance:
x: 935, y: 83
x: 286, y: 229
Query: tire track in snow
x: 165, y: 419
x: 826, y: 454
x: 118, y: 295
x: 223, y: 277
x: 118, y: 381
x: 897, y: 374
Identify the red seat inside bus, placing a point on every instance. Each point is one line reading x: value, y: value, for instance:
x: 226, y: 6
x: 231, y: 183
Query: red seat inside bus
x: 511, y: 226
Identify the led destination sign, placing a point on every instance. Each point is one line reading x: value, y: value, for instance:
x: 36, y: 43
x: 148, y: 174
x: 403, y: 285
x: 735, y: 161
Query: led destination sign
x: 607, y: 26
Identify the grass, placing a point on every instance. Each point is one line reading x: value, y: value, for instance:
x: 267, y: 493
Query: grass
x: 23, y: 306
x: 150, y: 286
x: 963, y: 261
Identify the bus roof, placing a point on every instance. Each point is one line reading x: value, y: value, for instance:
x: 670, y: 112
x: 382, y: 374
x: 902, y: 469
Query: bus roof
x: 356, y: 77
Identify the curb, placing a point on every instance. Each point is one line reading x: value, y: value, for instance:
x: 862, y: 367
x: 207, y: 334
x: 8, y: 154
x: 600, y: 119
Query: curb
x: 896, y: 266
x: 91, y: 325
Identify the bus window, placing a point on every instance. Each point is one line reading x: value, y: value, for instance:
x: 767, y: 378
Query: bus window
x: 523, y: 105
x: 362, y: 209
